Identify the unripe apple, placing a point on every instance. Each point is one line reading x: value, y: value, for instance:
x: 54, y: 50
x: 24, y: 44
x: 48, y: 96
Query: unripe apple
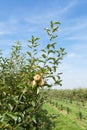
x: 42, y: 82
x: 37, y: 77
x: 34, y: 83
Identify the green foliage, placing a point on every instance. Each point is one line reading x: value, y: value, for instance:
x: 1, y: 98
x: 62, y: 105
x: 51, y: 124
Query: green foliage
x: 22, y: 76
x: 79, y: 94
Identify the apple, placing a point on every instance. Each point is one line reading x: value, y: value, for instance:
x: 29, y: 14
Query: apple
x: 37, y: 77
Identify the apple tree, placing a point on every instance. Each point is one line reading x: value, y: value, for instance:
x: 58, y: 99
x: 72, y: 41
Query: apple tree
x: 22, y: 76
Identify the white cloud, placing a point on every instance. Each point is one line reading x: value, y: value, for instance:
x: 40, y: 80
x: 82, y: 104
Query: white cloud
x: 51, y: 14
x: 80, y: 37
x: 73, y: 55
x: 73, y: 77
x: 68, y: 7
x: 5, y: 32
x: 13, y: 24
x: 74, y: 28
x: 8, y: 27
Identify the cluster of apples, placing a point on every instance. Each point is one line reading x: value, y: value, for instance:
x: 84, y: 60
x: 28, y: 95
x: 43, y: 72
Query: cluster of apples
x: 37, y: 81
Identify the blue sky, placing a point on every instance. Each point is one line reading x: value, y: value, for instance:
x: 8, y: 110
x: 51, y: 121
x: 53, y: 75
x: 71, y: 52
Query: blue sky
x: 19, y: 19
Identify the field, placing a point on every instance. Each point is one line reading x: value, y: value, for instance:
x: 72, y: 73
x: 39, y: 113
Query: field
x: 66, y: 115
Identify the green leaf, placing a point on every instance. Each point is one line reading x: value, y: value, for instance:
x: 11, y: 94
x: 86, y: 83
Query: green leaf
x: 55, y: 29
x: 10, y: 106
x: 62, y: 49
x: 49, y: 33
x: 54, y: 67
x: 51, y: 51
x: 54, y: 78
x: 48, y: 46
x: 37, y: 38
x: 51, y: 24
x: 56, y: 62
x: 58, y: 82
x: 29, y: 46
x: 41, y: 61
x: 52, y: 58
x: 43, y: 50
x: 38, y: 90
x: 47, y: 29
x: 33, y: 40
x: 53, y: 37
x: 34, y: 119
x: 33, y: 103
x: 44, y: 55
x: 53, y: 44
x: 29, y: 53
x: 58, y: 77
x: 36, y: 44
x: 29, y: 41
x: 56, y: 22
x: 12, y: 116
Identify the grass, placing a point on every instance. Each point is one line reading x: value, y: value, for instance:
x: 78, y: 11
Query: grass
x: 64, y: 121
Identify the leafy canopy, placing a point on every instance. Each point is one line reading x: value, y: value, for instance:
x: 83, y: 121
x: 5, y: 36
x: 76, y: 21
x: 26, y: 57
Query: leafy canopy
x: 22, y: 76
